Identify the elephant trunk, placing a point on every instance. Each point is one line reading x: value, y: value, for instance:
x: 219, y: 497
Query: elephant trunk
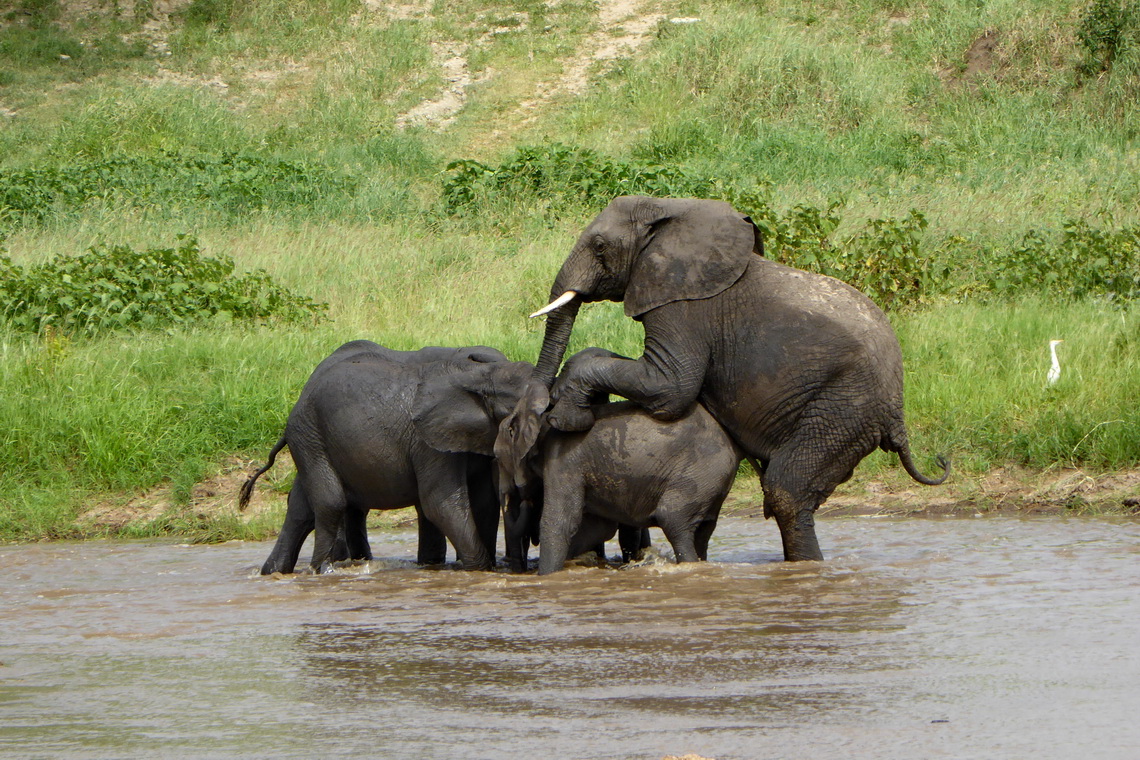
x: 558, y: 326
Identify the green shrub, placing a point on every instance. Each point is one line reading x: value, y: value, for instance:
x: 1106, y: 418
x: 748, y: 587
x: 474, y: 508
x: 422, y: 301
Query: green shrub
x: 884, y: 259
x: 1108, y: 28
x: 232, y: 183
x: 1082, y: 261
x: 215, y: 14
x: 37, y: 13
x: 573, y: 176
x: 116, y: 287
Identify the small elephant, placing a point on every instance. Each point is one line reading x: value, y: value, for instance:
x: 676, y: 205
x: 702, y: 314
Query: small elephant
x: 629, y: 469
x: 374, y: 429
x: 802, y: 370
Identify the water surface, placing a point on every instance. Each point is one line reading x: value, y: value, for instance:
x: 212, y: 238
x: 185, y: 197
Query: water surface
x: 956, y: 638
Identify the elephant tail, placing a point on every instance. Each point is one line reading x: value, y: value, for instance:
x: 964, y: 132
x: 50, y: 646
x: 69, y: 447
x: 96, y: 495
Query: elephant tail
x: 899, y: 444
x: 247, y: 487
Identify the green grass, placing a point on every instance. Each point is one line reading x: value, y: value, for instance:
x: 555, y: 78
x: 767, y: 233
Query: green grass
x: 867, y: 103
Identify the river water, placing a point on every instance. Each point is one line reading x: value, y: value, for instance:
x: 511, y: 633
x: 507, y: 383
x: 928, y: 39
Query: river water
x: 918, y: 638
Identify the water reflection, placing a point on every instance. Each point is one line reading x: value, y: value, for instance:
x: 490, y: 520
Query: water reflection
x: 649, y: 646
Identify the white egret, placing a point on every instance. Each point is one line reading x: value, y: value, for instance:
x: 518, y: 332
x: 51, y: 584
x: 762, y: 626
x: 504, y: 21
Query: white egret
x: 1055, y: 370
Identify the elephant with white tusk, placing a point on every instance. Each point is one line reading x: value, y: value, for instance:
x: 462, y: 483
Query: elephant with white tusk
x: 802, y: 370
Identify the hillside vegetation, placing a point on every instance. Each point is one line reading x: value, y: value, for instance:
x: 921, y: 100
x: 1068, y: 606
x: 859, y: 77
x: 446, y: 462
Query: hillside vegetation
x: 288, y: 176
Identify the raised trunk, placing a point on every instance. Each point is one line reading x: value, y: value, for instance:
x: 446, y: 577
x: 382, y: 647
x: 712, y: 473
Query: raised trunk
x: 559, y: 323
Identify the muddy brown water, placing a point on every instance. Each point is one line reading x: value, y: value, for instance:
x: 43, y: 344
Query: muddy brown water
x: 955, y: 638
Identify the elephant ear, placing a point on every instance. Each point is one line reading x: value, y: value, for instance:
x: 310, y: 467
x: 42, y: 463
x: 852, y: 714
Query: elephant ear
x: 459, y: 410
x: 518, y: 434
x: 694, y: 249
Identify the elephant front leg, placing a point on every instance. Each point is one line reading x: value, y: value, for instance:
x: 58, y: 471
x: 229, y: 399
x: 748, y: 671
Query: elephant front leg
x: 516, y: 532
x: 664, y: 382
x: 561, y: 518
x: 356, y: 535
x: 633, y: 542
x: 445, y: 501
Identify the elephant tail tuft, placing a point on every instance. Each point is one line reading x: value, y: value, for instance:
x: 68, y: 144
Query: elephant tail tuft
x: 247, y: 487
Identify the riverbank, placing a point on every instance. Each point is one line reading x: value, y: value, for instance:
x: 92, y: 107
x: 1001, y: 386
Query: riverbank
x: 973, y: 175
x: 211, y: 512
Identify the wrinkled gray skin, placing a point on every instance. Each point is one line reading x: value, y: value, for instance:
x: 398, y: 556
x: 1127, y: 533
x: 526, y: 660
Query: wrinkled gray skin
x: 629, y: 469
x: 802, y: 370
x: 518, y: 451
x: 375, y: 429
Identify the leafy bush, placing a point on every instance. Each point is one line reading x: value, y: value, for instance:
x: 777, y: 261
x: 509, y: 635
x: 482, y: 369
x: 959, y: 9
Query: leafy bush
x: 1107, y: 29
x: 1082, y: 261
x: 230, y: 182
x: 566, y: 174
x: 116, y: 287
x: 884, y: 259
x: 215, y: 14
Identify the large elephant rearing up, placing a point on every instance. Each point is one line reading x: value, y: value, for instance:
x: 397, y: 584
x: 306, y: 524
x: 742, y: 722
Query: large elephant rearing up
x: 802, y: 370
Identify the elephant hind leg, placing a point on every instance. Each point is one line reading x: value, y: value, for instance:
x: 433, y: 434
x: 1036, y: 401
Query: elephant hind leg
x: 356, y: 535
x: 795, y: 514
x: 326, y: 496
x: 432, y: 543
x: 679, y: 520
x: 704, y: 533
x: 298, y: 525
x: 803, y: 473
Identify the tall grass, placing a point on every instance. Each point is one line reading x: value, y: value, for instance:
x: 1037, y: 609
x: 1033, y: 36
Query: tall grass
x: 868, y: 103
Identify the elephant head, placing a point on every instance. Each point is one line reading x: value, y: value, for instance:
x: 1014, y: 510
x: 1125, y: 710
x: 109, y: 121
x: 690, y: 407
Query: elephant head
x: 647, y: 252
x: 460, y: 411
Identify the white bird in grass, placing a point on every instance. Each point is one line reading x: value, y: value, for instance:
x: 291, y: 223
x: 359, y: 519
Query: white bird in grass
x: 1054, y: 371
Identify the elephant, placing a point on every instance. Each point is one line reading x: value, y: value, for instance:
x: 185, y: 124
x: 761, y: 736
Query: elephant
x: 629, y: 469
x: 432, y: 543
x: 803, y: 371
x: 374, y: 429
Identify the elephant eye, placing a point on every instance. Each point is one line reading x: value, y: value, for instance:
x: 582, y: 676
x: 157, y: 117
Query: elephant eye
x: 599, y: 245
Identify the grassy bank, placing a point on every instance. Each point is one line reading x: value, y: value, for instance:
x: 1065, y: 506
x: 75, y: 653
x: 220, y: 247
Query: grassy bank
x: 284, y: 136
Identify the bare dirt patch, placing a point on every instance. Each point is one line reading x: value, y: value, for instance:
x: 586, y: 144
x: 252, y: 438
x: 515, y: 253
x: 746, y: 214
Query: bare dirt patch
x: 438, y: 113
x: 1007, y: 490
x: 624, y: 26
x: 212, y: 498
x: 980, y: 59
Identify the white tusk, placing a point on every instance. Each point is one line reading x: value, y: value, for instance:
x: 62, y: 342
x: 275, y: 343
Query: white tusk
x: 565, y: 298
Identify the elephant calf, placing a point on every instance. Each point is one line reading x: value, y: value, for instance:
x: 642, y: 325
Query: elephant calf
x: 629, y: 469
x: 377, y: 429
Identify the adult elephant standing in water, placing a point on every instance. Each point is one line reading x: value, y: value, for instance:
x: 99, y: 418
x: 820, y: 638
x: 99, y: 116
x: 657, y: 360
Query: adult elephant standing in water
x: 802, y: 370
